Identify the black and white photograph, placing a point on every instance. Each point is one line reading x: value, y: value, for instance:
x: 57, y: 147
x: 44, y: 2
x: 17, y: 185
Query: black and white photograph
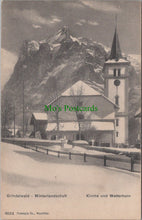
x: 71, y: 109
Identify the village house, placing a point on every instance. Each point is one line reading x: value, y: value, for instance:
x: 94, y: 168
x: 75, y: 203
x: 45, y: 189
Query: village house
x: 39, y: 124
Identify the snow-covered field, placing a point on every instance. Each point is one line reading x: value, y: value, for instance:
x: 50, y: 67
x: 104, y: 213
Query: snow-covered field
x: 76, y: 149
x: 134, y: 150
x: 27, y: 172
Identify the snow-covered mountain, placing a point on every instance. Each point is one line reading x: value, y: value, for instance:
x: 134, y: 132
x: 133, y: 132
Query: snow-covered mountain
x: 135, y: 60
x: 51, y: 65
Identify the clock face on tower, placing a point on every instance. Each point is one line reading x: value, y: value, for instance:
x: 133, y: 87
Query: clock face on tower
x: 117, y: 82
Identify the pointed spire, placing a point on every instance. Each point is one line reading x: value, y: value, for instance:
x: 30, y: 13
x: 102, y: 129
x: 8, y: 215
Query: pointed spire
x: 115, y: 49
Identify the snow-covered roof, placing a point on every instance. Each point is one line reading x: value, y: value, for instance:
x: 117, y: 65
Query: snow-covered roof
x: 97, y: 86
x: 66, y: 126
x: 110, y: 101
x: 40, y: 116
x: 117, y: 61
x: 110, y: 116
x: 73, y: 126
x: 80, y: 88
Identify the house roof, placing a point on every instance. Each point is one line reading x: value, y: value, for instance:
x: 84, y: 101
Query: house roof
x: 73, y: 126
x: 40, y: 116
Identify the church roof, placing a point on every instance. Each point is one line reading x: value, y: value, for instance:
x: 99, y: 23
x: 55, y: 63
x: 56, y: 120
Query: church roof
x: 80, y: 88
x: 122, y: 61
x: 115, y: 49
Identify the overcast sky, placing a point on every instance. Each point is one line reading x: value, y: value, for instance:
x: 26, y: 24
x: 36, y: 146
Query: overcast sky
x: 38, y: 20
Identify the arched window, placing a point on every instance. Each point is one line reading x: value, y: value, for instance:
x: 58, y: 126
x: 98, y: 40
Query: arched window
x: 117, y: 100
x: 119, y: 72
x: 117, y: 134
x: 117, y: 122
x: 114, y: 72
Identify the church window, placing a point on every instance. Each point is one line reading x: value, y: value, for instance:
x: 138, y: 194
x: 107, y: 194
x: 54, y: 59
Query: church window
x: 117, y: 100
x: 117, y: 122
x: 114, y: 72
x: 117, y: 134
x: 119, y: 72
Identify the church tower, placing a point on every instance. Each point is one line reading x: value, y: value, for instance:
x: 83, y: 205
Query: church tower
x: 116, y: 88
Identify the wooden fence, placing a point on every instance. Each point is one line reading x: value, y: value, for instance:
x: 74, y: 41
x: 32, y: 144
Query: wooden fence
x: 105, y: 158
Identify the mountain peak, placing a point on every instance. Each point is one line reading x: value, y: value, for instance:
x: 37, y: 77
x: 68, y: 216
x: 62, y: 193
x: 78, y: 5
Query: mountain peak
x: 64, y: 32
x: 65, y: 29
x: 62, y: 35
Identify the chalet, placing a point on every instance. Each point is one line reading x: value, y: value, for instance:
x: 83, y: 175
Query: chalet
x: 39, y: 123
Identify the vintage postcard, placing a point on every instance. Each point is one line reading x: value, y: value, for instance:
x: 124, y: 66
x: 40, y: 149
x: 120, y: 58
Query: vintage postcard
x: 71, y: 109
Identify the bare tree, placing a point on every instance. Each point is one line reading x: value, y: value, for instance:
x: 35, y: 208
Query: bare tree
x: 57, y: 104
x: 7, y: 109
x: 78, y: 101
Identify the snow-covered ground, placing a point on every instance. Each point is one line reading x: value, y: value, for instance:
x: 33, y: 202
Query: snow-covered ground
x: 82, y: 150
x: 27, y: 172
x: 75, y: 149
x: 126, y: 150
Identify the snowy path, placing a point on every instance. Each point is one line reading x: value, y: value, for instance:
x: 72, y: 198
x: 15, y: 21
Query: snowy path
x: 27, y: 172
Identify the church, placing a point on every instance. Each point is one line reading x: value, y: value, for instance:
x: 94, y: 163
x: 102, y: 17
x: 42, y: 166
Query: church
x: 108, y: 126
